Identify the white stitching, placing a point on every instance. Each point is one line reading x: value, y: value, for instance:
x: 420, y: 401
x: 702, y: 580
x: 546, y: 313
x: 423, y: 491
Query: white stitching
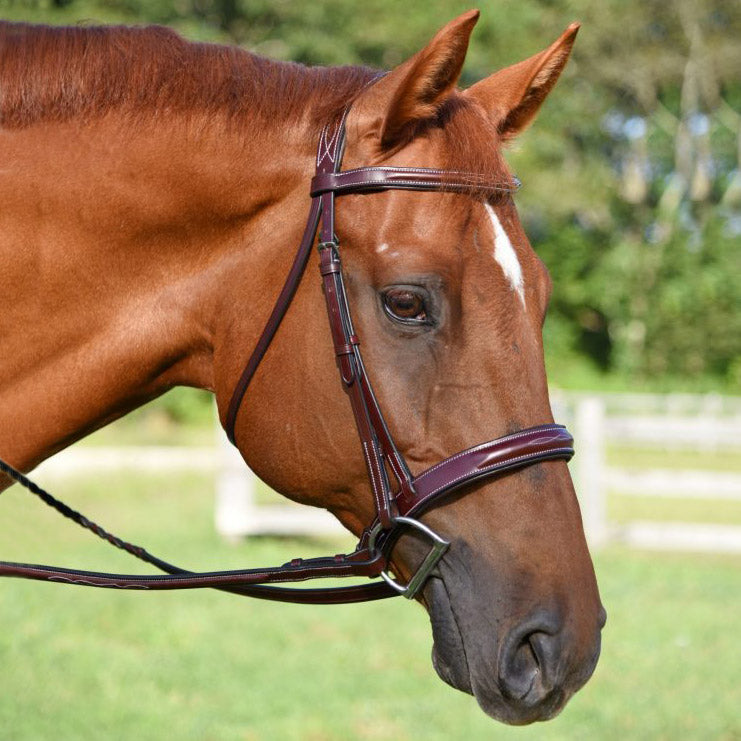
x: 326, y: 147
x: 322, y: 146
x: 375, y: 477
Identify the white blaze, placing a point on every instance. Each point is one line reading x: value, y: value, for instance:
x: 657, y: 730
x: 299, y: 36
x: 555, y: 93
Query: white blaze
x: 505, y: 255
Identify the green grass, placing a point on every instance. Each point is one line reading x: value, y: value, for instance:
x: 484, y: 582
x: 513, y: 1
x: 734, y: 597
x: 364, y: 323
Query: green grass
x: 89, y: 664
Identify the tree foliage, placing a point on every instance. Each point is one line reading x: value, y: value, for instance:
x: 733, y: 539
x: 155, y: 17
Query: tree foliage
x: 632, y: 177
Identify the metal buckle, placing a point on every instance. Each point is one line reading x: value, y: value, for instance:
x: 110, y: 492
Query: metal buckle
x: 439, y: 546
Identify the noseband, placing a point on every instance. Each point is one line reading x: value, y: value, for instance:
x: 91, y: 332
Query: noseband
x: 398, y: 504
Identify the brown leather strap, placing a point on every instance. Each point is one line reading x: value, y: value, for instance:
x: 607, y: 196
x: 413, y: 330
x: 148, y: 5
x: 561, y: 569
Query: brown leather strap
x: 295, y: 571
x: 276, y: 317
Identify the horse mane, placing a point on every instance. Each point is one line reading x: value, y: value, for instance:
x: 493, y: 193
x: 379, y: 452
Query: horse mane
x: 55, y: 74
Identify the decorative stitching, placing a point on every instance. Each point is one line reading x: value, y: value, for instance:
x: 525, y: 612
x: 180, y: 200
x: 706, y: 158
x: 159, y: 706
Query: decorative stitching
x: 376, y: 483
x: 327, y: 145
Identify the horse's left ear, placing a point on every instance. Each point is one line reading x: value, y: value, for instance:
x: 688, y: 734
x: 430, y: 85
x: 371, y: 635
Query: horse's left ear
x: 416, y: 89
x: 513, y: 95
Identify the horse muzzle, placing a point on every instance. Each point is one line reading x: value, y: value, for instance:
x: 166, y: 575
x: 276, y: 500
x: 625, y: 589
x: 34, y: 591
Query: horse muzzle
x: 520, y: 671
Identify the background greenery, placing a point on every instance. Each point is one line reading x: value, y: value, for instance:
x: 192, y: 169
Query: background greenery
x: 632, y: 180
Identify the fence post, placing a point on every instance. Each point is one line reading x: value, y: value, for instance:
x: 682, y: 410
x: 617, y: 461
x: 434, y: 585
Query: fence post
x: 235, y: 491
x: 590, y: 467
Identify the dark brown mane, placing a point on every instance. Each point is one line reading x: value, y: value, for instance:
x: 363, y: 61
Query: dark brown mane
x: 55, y: 74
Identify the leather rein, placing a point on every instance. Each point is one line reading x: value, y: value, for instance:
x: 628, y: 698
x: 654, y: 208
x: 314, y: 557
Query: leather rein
x: 398, y: 505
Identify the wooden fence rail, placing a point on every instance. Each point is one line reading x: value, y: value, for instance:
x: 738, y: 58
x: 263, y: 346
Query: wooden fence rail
x: 601, y: 421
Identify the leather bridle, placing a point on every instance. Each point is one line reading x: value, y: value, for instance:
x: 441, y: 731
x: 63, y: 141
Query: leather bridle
x: 398, y: 505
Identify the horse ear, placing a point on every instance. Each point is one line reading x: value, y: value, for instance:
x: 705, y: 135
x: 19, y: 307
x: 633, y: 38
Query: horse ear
x: 513, y: 95
x: 415, y: 90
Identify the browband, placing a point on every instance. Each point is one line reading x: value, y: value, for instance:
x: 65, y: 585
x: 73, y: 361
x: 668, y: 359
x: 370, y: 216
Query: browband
x: 373, y: 179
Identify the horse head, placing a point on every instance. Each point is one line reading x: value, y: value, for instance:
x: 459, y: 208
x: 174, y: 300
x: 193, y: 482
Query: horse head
x: 147, y: 210
x: 448, y: 298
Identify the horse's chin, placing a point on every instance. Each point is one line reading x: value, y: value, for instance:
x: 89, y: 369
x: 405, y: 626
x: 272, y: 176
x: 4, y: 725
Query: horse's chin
x: 448, y: 651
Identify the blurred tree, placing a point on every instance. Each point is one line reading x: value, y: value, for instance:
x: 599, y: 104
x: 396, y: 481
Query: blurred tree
x: 672, y: 80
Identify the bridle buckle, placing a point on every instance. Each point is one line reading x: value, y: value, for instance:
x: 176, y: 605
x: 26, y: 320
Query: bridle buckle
x: 439, y: 546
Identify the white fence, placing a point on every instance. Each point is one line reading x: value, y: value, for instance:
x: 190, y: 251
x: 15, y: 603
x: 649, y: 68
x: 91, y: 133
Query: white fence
x: 695, y: 425
x: 238, y: 512
x: 680, y: 422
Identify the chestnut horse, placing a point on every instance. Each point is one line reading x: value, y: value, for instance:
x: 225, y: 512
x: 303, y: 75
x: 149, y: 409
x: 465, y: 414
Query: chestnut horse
x: 152, y: 194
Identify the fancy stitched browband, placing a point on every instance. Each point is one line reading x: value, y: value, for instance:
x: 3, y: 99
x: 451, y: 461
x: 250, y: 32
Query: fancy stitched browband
x: 397, y: 506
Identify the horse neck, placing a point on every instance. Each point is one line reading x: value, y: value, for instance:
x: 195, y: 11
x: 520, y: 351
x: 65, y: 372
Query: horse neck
x: 122, y: 246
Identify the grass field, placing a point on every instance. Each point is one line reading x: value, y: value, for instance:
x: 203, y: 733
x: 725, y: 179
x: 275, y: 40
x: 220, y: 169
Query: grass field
x: 94, y: 664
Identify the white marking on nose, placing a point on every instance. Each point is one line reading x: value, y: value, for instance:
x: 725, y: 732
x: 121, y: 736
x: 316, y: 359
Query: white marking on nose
x: 505, y: 255
x: 382, y: 247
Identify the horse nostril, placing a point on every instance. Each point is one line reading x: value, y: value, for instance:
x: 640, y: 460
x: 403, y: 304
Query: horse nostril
x: 529, y: 662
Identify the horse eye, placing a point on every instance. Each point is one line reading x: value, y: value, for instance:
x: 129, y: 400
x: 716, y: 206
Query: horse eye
x: 405, y: 305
